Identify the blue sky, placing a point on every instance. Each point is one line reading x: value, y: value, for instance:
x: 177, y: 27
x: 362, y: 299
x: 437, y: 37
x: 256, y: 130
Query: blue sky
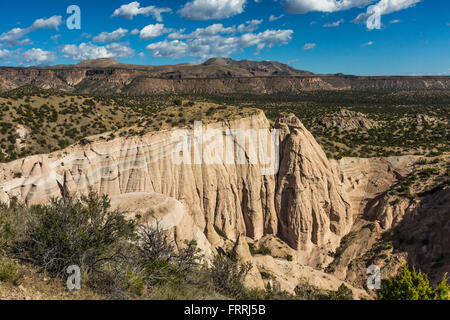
x: 362, y: 37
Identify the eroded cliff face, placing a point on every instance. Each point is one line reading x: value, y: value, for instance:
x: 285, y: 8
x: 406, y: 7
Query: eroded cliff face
x: 192, y: 79
x: 314, y: 212
x: 302, y: 202
x: 390, y: 230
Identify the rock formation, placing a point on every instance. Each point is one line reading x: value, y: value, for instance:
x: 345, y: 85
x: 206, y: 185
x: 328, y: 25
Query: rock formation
x: 302, y: 202
x: 302, y: 207
x: 346, y: 120
x: 314, y: 213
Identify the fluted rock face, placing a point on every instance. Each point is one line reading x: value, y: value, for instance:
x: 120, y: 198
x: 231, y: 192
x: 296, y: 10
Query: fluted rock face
x: 302, y: 203
x: 313, y: 211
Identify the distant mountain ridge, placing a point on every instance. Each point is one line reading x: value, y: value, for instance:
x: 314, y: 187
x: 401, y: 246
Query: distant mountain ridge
x: 270, y: 67
x: 206, y: 69
x: 216, y: 75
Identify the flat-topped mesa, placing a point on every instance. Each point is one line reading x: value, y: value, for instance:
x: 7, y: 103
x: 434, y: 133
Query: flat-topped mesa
x: 301, y: 203
x: 99, y: 63
x: 215, y: 76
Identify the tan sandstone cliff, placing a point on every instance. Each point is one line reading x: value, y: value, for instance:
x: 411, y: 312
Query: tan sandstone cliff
x: 302, y: 203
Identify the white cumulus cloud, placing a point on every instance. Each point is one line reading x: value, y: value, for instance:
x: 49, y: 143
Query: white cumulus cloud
x: 153, y: 30
x: 37, y: 57
x: 309, y: 46
x: 274, y: 18
x: 304, y: 6
x: 169, y: 49
x: 129, y: 11
x: 116, y: 35
x: 249, y: 26
x: 215, y: 44
x: 87, y: 51
x: 12, y: 36
x: 212, y: 9
x: 217, y: 28
x: 50, y: 23
x: 211, y: 30
x: 5, y: 54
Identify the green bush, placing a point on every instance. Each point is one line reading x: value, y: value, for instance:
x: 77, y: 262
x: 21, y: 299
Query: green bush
x: 342, y: 293
x: 189, y: 258
x: 10, y: 273
x: 160, y: 261
x: 83, y: 232
x: 305, y: 291
x: 407, y: 285
x: 262, y: 250
x: 155, y: 255
x: 12, y: 223
x: 228, y: 276
x: 134, y: 282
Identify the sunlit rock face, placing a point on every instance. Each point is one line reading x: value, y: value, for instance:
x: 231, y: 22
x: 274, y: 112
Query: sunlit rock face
x: 297, y: 198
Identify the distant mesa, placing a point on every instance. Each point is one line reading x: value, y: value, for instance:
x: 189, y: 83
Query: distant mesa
x: 99, y: 63
x: 107, y: 76
x: 221, y: 66
x: 268, y: 67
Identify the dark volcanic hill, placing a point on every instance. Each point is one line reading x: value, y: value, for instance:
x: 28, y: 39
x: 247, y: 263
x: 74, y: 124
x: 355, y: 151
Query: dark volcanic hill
x: 217, y: 75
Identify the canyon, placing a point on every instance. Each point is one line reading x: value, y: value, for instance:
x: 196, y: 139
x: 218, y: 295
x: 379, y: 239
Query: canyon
x: 306, y: 210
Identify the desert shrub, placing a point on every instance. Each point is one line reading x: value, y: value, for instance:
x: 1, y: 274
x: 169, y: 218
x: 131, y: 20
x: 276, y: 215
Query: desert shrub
x: 407, y: 285
x: 261, y: 250
x: 158, y: 272
x: 17, y: 175
x: 306, y: 291
x: 155, y: 254
x: 135, y: 282
x: 189, y: 258
x: 269, y: 293
x: 63, y: 143
x: 160, y: 261
x: 185, y: 290
x: 154, y: 244
x: 5, y: 225
x: 12, y: 223
x: 228, y: 276
x: 342, y: 293
x: 346, y: 240
x: 83, y: 232
x: 10, y: 273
